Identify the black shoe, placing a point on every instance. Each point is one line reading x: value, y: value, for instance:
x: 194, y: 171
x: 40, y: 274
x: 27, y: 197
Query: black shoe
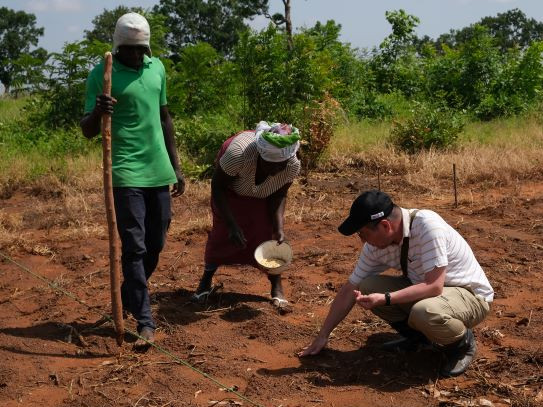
x: 405, y: 345
x: 458, y: 355
x: 148, y: 334
x: 411, y: 340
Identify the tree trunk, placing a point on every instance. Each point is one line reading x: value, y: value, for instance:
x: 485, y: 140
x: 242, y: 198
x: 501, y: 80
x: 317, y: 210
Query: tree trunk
x: 288, y: 25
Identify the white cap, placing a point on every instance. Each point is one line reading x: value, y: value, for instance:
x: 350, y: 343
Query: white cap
x: 131, y: 29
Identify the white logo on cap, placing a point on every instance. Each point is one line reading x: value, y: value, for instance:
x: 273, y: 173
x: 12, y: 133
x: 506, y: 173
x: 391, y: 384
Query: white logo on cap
x: 377, y: 215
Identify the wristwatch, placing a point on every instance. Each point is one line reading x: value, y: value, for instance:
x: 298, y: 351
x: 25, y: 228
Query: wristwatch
x: 387, y: 298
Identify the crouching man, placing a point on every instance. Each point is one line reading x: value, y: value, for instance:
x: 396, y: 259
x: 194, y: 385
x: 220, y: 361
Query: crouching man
x: 442, y: 294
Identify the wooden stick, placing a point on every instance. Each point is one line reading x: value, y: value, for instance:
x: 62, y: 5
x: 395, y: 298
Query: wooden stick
x: 454, y: 182
x: 378, y: 178
x: 114, y: 274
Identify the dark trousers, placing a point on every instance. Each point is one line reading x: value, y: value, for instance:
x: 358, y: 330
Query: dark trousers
x: 143, y: 217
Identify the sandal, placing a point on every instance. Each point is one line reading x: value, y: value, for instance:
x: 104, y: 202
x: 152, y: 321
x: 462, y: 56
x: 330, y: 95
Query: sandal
x: 282, y: 305
x: 279, y: 302
x: 201, y: 298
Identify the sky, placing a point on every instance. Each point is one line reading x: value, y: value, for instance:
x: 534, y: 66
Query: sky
x: 363, y: 21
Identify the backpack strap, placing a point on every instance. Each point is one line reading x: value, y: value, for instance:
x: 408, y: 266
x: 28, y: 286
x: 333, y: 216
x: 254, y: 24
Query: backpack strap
x: 405, y: 244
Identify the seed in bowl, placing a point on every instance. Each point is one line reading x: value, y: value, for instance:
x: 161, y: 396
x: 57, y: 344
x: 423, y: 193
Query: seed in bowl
x: 272, y: 263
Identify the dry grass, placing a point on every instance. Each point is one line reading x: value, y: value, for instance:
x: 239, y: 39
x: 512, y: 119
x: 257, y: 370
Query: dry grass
x: 490, y: 154
x: 11, y: 226
x: 68, y: 197
x: 195, y: 201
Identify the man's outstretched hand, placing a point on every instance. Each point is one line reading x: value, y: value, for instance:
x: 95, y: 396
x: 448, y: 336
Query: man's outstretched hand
x: 316, y: 346
x: 369, y: 301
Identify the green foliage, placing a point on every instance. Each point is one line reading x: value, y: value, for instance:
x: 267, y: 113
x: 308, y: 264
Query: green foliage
x: 23, y: 136
x: 216, y: 22
x: 11, y: 108
x: 203, y: 82
x: 199, y: 139
x: 159, y: 30
x: 18, y: 32
x: 429, y: 127
x: 482, y: 79
x: 350, y: 79
x: 367, y: 105
x: 395, y: 64
x: 28, y: 73
x: 278, y: 83
x: 509, y: 30
x: 59, y: 104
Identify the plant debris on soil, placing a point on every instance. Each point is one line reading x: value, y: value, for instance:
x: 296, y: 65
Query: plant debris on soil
x: 54, y: 354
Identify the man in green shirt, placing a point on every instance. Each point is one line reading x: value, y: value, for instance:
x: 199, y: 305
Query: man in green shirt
x: 144, y: 158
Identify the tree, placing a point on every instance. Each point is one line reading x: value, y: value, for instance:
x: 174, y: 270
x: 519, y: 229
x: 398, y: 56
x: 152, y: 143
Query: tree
x: 202, y: 81
x: 350, y: 81
x: 60, y: 101
x: 395, y: 64
x: 217, y: 22
x: 279, y: 83
x: 28, y: 72
x: 510, y: 29
x: 18, y: 32
x: 280, y: 19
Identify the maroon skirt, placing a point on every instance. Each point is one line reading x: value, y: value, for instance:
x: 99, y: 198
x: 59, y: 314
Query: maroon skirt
x: 253, y: 218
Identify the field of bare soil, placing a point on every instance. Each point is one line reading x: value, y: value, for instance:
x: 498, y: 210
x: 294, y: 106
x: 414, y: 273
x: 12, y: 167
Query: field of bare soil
x: 51, y: 355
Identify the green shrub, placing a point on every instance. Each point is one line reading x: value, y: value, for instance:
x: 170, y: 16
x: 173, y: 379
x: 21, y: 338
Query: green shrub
x: 203, y: 81
x: 368, y: 105
x: 429, y: 127
x: 199, y: 139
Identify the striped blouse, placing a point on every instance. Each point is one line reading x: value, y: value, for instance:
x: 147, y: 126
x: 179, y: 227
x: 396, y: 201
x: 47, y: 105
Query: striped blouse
x: 239, y: 161
x: 432, y: 243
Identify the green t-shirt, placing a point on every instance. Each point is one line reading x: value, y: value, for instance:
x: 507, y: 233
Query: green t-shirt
x: 139, y: 155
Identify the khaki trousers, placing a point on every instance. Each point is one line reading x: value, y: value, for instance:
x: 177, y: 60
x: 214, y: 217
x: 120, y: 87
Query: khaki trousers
x: 443, y: 319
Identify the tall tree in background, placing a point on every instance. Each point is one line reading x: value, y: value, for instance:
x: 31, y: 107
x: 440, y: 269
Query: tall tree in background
x: 510, y: 29
x: 28, y: 72
x: 395, y: 63
x: 18, y: 32
x: 217, y: 22
x: 279, y: 19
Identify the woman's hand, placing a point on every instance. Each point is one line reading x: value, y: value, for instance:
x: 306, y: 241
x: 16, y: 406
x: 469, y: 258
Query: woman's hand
x: 279, y: 236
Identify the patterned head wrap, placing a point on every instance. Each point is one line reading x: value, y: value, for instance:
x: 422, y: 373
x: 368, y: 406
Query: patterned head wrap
x: 131, y: 29
x: 277, y: 142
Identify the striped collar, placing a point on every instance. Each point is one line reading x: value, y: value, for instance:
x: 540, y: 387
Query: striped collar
x: 406, y: 219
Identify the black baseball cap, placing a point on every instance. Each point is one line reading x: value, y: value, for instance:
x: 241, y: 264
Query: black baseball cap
x: 371, y: 205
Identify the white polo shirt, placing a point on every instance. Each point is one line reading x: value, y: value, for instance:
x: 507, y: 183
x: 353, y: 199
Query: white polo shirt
x: 432, y: 243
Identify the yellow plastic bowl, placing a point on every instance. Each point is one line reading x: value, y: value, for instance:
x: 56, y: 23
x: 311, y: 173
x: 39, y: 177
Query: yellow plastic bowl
x: 273, y: 257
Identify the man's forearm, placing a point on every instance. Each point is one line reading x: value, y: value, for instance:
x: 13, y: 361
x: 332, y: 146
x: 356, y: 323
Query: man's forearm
x: 431, y: 287
x: 341, y: 306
